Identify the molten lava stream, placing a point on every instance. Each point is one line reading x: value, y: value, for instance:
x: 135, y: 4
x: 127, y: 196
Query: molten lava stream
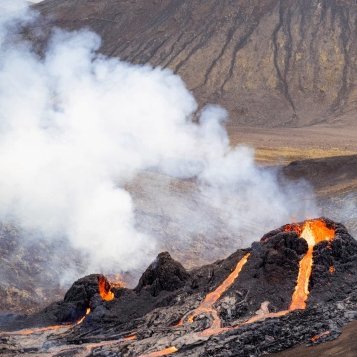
x: 302, y: 287
x: 164, y: 352
x: 38, y: 330
x: 48, y: 328
x: 82, y: 319
x: 206, y: 305
x: 313, y: 232
x: 263, y: 317
x: 130, y: 338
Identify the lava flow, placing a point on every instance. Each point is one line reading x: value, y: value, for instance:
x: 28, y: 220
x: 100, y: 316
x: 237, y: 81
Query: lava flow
x: 164, y: 352
x: 313, y: 232
x: 82, y: 319
x: 104, y: 289
x: 206, y: 305
x: 39, y: 330
x: 48, y: 328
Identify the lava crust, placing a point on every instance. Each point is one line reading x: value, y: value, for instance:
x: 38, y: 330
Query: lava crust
x: 240, y: 306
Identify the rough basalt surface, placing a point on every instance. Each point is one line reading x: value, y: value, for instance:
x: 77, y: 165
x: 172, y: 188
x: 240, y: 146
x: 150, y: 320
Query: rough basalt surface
x: 82, y: 294
x: 163, y: 274
x: 166, y: 293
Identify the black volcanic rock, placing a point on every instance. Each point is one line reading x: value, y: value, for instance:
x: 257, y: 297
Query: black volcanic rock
x: 78, y: 298
x: 340, y: 256
x: 163, y: 274
x: 334, y: 263
x: 268, y: 276
x: 72, y: 308
x: 83, y: 289
x: 83, y: 294
x: 167, y: 294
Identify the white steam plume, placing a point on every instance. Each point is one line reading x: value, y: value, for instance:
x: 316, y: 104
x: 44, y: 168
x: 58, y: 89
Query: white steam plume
x: 76, y: 128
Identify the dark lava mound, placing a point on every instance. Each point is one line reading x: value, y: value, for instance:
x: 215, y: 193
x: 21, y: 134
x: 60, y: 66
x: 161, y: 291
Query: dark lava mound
x: 297, y: 285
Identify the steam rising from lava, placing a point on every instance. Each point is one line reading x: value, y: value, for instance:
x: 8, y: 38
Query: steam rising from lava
x: 77, y: 127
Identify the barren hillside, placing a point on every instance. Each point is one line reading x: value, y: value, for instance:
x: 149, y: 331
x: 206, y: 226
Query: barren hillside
x: 271, y: 63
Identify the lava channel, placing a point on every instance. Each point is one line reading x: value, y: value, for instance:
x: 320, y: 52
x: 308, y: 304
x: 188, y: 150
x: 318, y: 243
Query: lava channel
x: 82, y: 319
x: 206, y: 306
x: 164, y: 352
x: 313, y: 232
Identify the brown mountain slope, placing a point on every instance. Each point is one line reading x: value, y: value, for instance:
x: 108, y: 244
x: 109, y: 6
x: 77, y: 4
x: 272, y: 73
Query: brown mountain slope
x: 271, y: 63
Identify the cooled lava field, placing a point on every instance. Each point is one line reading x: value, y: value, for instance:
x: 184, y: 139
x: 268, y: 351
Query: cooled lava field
x: 296, y: 286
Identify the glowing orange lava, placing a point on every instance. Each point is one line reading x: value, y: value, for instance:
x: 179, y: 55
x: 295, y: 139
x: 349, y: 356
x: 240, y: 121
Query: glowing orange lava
x: 317, y: 337
x: 130, y: 338
x: 164, y: 352
x: 313, y: 232
x: 265, y: 316
x: 293, y: 227
x: 38, y: 330
x: 82, y: 319
x: 212, y: 297
x: 104, y: 289
x: 48, y: 328
x: 206, y: 305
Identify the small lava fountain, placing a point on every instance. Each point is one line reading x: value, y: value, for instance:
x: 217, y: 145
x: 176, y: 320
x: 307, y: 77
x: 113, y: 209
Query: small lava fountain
x: 105, y: 289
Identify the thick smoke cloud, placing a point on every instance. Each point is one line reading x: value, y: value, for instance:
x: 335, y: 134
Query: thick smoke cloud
x: 77, y: 128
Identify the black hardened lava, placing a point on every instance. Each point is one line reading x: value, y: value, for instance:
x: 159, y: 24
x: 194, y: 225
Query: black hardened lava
x: 156, y: 313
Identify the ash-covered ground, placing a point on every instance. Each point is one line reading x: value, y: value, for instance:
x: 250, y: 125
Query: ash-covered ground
x: 258, y: 300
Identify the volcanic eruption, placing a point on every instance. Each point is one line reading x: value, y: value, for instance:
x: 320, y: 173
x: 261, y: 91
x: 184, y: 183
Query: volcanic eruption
x: 104, y: 289
x: 313, y: 232
x: 282, y: 282
x: 118, y: 161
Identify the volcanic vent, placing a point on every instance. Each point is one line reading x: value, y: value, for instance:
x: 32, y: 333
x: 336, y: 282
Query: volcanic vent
x: 296, y: 285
